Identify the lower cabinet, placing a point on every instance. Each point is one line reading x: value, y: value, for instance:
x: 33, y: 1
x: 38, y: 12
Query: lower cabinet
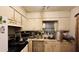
x: 43, y: 46
x: 67, y: 46
x: 38, y: 46
x: 50, y: 46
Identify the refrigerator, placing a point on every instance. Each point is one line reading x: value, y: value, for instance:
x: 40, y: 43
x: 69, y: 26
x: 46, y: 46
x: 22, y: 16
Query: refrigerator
x: 3, y: 34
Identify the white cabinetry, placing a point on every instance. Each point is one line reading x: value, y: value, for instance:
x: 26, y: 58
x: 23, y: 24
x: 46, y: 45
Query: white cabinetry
x: 18, y: 19
x: 24, y: 24
x: 34, y: 25
x: 63, y: 24
x: 11, y: 16
x: 14, y: 18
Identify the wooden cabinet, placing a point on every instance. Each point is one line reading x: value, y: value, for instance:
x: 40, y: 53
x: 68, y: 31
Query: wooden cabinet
x: 67, y: 46
x: 30, y: 46
x: 50, y: 46
x: 36, y: 46
x: 44, y: 46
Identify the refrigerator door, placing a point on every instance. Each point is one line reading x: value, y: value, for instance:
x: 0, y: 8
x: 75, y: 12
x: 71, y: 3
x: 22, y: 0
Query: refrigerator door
x: 4, y: 35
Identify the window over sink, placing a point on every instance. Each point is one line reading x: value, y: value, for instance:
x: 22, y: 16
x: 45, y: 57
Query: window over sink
x: 50, y: 28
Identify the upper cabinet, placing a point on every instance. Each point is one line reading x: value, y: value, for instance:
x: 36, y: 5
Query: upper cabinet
x: 14, y: 15
x: 18, y: 19
x: 14, y: 18
x: 34, y: 22
x: 31, y: 24
x: 63, y: 24
x: 24, y: 24
x: 11, y: 17
x: 63, y: 18
x: 9, y: 13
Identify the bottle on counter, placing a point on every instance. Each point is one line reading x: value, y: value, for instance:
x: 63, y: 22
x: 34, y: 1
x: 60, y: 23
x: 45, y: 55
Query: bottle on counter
x: 45, y: 35
x: 58, y: 36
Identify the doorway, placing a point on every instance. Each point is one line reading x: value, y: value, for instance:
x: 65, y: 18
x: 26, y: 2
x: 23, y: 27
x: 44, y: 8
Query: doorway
x: 77, y: 32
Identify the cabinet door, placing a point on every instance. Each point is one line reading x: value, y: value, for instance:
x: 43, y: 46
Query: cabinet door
x: 30, y: 46
x: 51, y: 46
x: 17, y: 18
x: 11, y: 16
x: 34, y: 24
x: 10, y: 13
x: 63, y: 24
x: 38, y: 46
x: 67, y: 46
x: 24, y: 24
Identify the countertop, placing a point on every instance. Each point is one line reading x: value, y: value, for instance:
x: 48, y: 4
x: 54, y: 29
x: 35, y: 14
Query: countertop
x: 53, y: 40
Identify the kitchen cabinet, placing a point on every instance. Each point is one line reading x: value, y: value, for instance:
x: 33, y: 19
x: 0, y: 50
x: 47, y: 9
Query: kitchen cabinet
x: 36, y: 46
x: 46, y: 45
x: 43, y: 46
x: 14, y: 18
x: 9, y: 13
x: 63, y: 24
x: 6, y: 11
x: 52, y: 46
x: 11, y: 17
x: 30, y: 46
x: 67, y: 46
x: 18, y: 19
x: 34, y: 25
x: 24, y: 24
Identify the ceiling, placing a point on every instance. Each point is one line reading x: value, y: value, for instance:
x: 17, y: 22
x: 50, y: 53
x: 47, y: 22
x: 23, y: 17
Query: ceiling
x: 46, y: 8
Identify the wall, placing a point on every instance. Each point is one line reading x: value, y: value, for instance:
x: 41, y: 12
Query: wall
x: 74, y: 11
x: 62, y: 17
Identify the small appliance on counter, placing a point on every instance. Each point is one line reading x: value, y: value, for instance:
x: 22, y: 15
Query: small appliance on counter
x: 65, y: 35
